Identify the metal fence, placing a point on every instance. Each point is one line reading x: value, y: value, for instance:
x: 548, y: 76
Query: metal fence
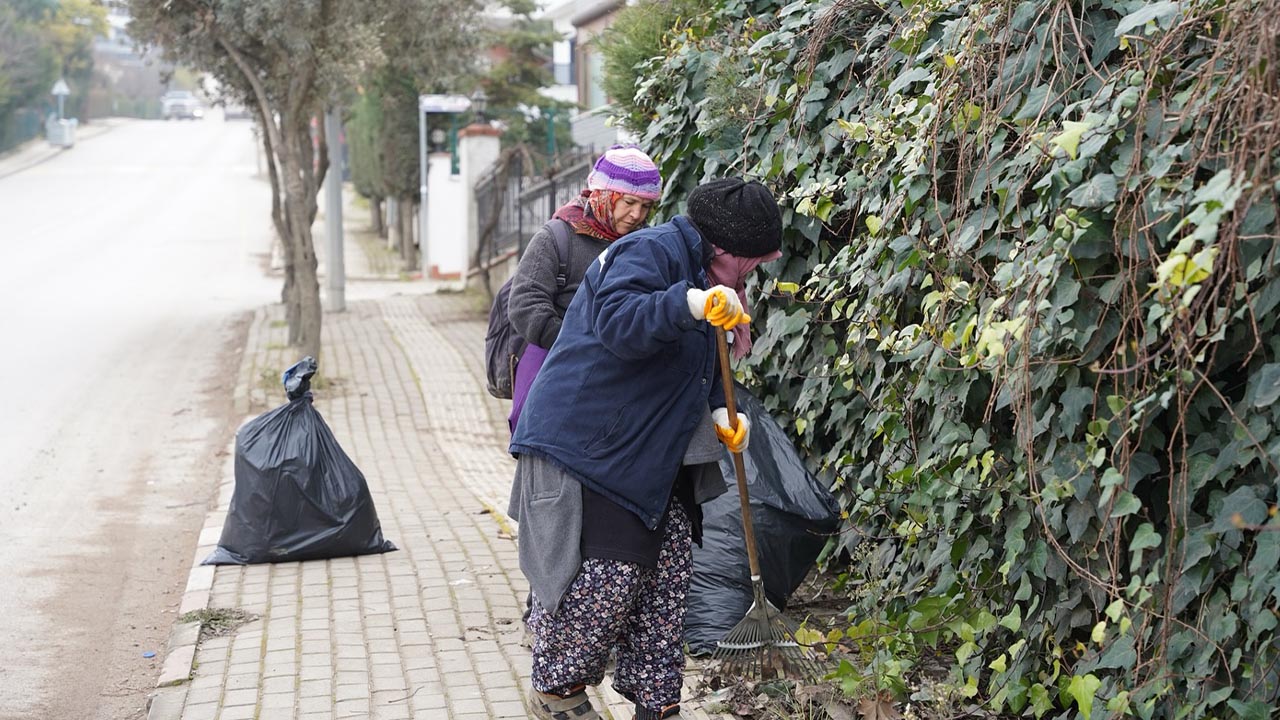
x: 512, y: 203
x: 21, y: 126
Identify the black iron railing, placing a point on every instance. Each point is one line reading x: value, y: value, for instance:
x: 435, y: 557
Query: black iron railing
x: 512, y: 202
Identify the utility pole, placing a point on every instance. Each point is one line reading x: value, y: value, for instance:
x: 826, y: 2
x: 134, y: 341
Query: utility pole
x: 337, y: 276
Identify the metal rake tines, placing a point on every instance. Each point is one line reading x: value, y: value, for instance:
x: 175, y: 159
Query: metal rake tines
x: 763, y: 646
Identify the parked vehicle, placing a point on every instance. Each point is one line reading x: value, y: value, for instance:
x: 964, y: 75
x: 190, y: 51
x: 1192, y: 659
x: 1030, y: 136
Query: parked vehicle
x: 181, y: 105
x: 235, y: 111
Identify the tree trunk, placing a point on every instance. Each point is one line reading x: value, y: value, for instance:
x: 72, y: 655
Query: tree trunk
x: 304, y: 306
x: 375, y: 213
x: 394, y: 211
x: 299, y: 200
x: 280, y: 220
x: 299, y: 179
x: 408, y: 253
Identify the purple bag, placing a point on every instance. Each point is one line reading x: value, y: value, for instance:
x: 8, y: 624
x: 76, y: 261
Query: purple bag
x: 526, y: 370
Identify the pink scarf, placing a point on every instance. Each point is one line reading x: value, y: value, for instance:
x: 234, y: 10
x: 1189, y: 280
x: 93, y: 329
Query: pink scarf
x: 732, y: 271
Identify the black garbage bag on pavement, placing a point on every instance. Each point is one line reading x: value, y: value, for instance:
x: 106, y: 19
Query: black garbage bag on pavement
x: 297, y: 494
x: 793, y: 515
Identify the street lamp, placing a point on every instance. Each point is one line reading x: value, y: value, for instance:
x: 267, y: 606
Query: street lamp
x: 479, y: 102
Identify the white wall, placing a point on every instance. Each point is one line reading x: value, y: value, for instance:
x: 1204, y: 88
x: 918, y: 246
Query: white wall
x: 444, y: 254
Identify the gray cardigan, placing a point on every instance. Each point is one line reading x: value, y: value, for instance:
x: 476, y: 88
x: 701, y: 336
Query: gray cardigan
x: 535, y: 311
x: 547, y: 502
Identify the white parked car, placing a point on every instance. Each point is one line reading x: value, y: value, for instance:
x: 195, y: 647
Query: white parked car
x: 181, y: 105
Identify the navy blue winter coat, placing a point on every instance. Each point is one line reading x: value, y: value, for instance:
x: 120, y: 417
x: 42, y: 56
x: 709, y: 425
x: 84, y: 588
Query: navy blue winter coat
x: 631, y: 374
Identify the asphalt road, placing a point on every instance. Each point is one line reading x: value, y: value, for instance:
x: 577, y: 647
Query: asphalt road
x: 128, y: 266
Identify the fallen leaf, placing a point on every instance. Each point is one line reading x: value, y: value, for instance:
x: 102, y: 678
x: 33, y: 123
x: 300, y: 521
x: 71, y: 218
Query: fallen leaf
x: 836, y: 711
x: 878, y: 708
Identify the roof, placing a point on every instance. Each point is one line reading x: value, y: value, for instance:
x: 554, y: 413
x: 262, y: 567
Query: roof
x: 595, y: 11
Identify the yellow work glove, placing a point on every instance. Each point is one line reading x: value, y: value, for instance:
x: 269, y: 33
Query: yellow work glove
x: 718, y: 305
x: 735, y: 440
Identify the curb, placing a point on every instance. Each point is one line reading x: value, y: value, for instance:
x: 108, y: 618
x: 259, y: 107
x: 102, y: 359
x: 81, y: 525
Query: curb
x: 99, y: 127
x: 167, y: 701
x: 43, y: 156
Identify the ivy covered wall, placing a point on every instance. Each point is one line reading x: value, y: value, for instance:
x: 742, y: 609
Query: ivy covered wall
x: 1025, y: 327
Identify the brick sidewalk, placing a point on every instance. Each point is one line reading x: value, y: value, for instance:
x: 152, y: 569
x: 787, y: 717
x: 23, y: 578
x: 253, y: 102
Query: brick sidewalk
x: 429, y: 631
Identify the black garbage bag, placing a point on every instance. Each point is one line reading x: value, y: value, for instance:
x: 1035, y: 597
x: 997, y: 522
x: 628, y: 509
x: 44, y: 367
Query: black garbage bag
x: 793, y: 513
x: 297, y: 495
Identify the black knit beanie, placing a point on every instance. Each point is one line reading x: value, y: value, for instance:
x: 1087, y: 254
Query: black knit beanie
x: 741, y: 218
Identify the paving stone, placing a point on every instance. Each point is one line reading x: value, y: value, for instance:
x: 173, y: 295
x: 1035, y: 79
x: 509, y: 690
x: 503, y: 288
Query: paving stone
x: 200, y: 711
x: 242, y: 712
x: 240, y: 697
x: 272, y: 704
x: 510, y: 709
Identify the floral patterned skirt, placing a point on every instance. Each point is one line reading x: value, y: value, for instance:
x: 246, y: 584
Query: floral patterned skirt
x: 623, y: 607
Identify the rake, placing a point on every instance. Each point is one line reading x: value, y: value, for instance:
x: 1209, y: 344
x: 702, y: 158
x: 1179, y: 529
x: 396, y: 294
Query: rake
x: 762, y: 646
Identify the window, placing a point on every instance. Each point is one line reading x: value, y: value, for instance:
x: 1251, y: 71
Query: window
x: 595, y: 96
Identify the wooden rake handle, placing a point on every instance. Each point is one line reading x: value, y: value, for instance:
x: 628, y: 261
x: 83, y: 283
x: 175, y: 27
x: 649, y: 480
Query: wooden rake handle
x: 726, y: 376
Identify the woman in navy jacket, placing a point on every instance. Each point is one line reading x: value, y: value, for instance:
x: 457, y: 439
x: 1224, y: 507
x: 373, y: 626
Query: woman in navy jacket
x: 617, y: 449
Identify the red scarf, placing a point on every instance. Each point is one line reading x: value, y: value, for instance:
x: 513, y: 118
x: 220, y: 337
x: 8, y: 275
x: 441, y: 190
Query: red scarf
x: 732, y: 271
x: 591, y: 213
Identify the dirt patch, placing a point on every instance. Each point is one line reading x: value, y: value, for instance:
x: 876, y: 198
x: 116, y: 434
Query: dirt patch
x: 216, y: 622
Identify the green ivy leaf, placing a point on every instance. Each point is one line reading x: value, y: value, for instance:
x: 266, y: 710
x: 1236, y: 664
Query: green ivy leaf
x: 1069, y: 139
x: 1264, y: 385
x: 1082, y: 689
x: 1073, y: 403
x: 1114, y: 609
x: 1116, y: 404
x: 1040, y: 700
x: 855, y: 130
x: 1126, y: 504
x: 1251, y: 710
x: 1099, y: 191
x: 1266, y: 557
x: 1111, y: 479
x: 1241, y: 507
x: 874, y: 223
x: 1159, y: 12
x: 1013, y: 620
x: 1145, y: 537
x: 1120, y: 703
x: 1120, y: 653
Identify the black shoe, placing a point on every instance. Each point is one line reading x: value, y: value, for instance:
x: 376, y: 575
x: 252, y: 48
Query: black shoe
x: 574, y: 706
x: 670, y: 711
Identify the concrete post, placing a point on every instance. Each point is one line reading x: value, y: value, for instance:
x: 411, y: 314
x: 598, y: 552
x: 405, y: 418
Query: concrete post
x: 393, y: 219
x: 478, y: 148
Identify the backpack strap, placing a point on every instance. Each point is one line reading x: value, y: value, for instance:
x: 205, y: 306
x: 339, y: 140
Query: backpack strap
x: 560, y: 231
